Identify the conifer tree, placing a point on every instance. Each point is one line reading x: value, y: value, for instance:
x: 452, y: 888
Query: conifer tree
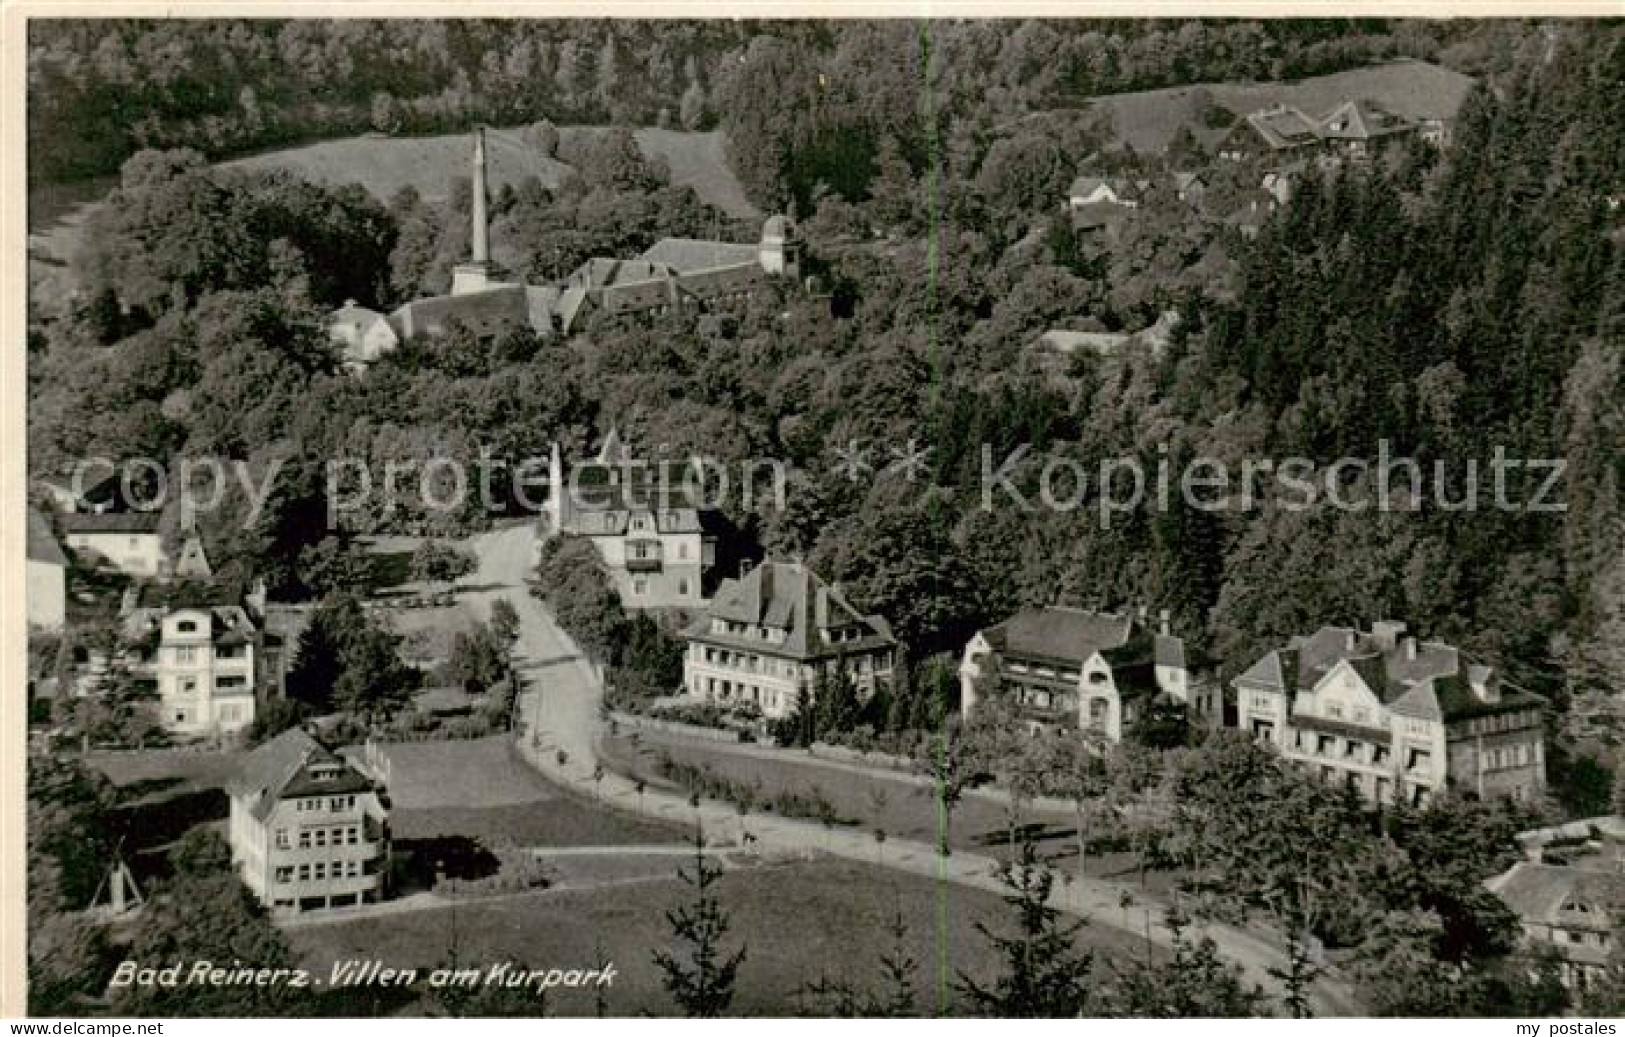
x: 700, y: 976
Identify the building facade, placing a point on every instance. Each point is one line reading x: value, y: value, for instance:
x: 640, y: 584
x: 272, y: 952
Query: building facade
x: 309, y: 830
x: 128, y: 541
x: 1070, y: 669
x: 643, y: 519
x: 1399, y: 720
x: 768, y: 636
x: 204, y: 664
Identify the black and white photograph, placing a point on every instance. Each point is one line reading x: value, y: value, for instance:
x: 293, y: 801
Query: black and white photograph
x: 584, y: 515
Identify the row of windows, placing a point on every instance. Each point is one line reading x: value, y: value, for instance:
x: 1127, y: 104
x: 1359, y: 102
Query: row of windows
x: 317, y: 804
x: 1350, y: 749
x: 319, y: 870
x: 1359, y: 714
x: 1499, y: 722
x: 726, y: 691
x: 348, y: 835
x: 1502, y: 757
x: 640, y: 587
x: 229, y: 714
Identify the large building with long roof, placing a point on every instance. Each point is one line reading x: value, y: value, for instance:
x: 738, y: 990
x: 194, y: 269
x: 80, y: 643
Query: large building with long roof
x: 1398, y: 719
x: 672, y: 274
x: 768, y: 636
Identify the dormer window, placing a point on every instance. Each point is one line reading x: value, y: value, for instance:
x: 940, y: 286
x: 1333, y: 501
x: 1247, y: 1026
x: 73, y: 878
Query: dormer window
x: 187, y: 626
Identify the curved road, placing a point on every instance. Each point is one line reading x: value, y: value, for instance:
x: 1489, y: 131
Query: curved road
x: 560, y: 713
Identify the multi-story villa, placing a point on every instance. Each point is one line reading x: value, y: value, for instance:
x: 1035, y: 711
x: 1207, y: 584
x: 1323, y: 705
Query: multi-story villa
x: 309, y: 829
x: 203, y: 661
x: 768, y: 634
x: 1069, y: 668
x: 1397, y: 719
x: 644, y: 521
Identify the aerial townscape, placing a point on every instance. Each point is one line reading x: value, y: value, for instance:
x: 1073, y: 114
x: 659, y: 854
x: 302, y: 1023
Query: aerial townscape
x: 896, y: 518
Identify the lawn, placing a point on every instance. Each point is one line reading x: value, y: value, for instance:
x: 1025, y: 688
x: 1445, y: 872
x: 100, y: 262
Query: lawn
x: 482, y: 790
x: 798, y: 921
x: 871, y: 798
x: 1148, y: 119
x: 165, y: 772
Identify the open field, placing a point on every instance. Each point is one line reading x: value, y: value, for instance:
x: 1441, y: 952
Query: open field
x: 483, y: 791
x: 166, y: 772
x: 795, y: 919
x: 1147, y: 120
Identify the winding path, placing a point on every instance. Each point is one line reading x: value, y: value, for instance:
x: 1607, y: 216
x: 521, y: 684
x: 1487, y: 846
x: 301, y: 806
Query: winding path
x: 560, y: 710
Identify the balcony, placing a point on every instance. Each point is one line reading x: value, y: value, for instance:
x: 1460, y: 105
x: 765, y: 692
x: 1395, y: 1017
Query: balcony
x: 644, y: 556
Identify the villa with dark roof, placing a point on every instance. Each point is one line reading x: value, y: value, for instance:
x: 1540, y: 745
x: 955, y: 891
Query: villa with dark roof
x: 1397, y: 719
x: 309, y: 829
x: 1067, y: 668
x: 768, y: 635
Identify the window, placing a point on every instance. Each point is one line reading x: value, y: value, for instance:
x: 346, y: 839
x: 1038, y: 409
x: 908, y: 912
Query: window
x: 304, y: 840
x: 320, y: 870
x: 284, y: 874
x: 1334, y: 710
x: 185, y: 626
x: 186, y: 654
x: 682, y: 587
x: 180, y: 716
x: 304, y: 873
x: 229, y: 714
x: 352, y: 835
x: 231, y: 682
x: 640, y: 587
x: 282, y: 839
x: 682, y: 550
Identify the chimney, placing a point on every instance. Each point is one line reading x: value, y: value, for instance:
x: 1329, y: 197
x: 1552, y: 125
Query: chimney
x: 1351, y: 641
x: 1409, y: 645
x: 1164, y: 618
x: 1480, y: 679
x: 481, y: 240
x: 1386, y: 632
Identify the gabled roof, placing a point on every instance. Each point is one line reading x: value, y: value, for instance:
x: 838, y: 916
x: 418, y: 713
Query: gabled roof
x: 1559, y: 895
x: 790, y: 597
x: 112, y: 522
x: 281, y: 769
x: 486, y: 312
x: 42, y: 545
x: 1427, y: 680
x: 1361, y: 120
x: 689, y: 254
x: 1283, y: 127
x: 1059, y: 634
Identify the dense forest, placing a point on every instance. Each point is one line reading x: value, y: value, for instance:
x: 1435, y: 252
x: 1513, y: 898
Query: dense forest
x: 101, y: 90
x: 1444, y: 305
